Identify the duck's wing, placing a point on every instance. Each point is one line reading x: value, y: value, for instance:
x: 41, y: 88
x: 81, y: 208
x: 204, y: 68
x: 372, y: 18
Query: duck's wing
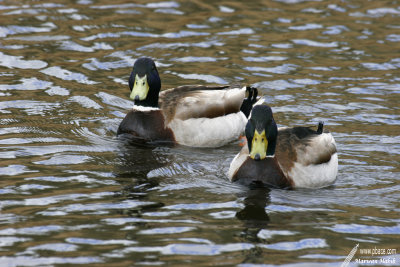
x: 306, y: 156
x: 186, y: 102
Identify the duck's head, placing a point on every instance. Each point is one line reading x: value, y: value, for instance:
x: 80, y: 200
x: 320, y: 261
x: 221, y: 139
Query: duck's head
x: 145, y: 83
x: 261, y: 132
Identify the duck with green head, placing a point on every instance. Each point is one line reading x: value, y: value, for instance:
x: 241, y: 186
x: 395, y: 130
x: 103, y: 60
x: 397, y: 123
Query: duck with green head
x: 296, y: 157
x: 192, y: 115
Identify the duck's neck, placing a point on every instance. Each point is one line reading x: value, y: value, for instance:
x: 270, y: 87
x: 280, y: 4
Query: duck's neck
x: 151, y: 100
x: 153, y: 103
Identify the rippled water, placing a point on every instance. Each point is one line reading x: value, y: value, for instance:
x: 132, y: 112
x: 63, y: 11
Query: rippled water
x: 71, y: 193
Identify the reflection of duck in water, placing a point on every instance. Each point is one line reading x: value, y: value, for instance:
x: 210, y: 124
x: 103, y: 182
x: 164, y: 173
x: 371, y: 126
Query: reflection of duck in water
x: 199, y: 116
x: 131, y: 172
x: 131, y: 165
x: 254, y: 218
x: 285, y: 158
x: 253, y: 214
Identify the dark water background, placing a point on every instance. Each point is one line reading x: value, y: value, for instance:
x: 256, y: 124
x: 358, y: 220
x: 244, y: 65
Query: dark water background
x: 71, y: 193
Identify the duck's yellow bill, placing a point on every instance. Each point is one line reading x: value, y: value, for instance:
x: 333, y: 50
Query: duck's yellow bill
x: 259, y: 146
x: 140, y: 88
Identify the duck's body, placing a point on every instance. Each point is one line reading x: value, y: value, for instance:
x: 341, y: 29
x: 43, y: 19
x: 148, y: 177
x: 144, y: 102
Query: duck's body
x: 199, y: 116
x: 300, y: 157
x: 192, y: 116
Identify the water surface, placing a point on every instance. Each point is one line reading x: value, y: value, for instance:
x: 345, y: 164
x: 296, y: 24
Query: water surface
x: 72, y: 193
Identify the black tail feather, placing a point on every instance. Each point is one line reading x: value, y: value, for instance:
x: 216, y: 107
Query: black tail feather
x: 320, y: 129
x: 248, y: 102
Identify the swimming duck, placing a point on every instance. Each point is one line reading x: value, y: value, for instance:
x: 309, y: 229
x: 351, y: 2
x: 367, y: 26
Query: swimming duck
x: 197, y: 116
x: 296, y: 157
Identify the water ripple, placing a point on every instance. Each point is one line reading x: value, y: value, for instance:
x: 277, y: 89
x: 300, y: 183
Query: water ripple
x: 336, y: 29
x: 60, y: 247
x: 91, y: 241
x: 28, y: 106
x: 204, y: 206
x: 297, y: 245
x: 238, y: 32
x: 77, y: 178
x: 315, y: 43
x: 169, y: 11
x: 188, y: 249
x: 72, y: 46
x: 85, y: 102
x: 277, y: 85
x: 383, y: 11
x: 365, y: 229
x: 43, y: 261
x: 7, y: 241
x: 204, y: 77
x: 393, y: 37
x: 166, y: 230
x: 14, y: 170
x: 17, y: 62
x: 265, y: 59
x: 32, y: 83
x: 283, y: 69
x: 309, y: 26
x: 128, y: 204
x: 72, y: 193
x: 63, y: 160
x: 67, y: 75
x: 268, y: 234
x: 197, y: 59
x: 95, y: 64
x: 377, y: 66
x: 14, y: 29
x: 122, y: 221
x: 171, y: 45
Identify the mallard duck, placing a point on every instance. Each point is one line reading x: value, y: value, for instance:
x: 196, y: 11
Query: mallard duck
x: 296, y: 157
x: 197, y: 116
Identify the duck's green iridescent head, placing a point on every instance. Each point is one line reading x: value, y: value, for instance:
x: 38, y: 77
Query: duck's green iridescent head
x: 145, y: 83
x: 261, y: 132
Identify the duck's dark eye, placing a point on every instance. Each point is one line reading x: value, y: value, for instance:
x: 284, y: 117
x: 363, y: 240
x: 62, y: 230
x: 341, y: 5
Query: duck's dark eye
x: 262, y: 139
x: 255, y: 139
x: 143, y: 84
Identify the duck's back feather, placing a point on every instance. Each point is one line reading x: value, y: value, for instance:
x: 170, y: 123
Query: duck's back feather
x: 206, y: 132
x: 307, y: 157
x: 315, y: 175
x: 187, y: 102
